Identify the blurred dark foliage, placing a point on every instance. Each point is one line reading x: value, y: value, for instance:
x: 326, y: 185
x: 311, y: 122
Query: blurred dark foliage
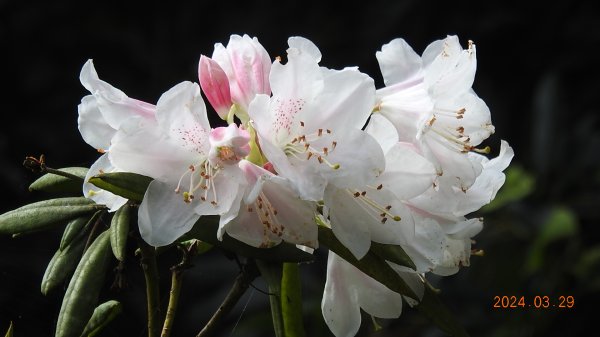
x: 538, y: 72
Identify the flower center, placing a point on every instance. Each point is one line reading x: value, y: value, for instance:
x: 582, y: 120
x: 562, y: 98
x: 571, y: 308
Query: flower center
x: 451, y: 136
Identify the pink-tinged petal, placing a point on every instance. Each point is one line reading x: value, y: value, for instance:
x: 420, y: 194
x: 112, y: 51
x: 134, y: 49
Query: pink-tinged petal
x: 399, y: 62
x: 148, y: 152
x: 100, y: 196
x: 215, y: 85
x: 339, y: 307
x: 247, y: 65
x: 228, y: 145
x: 92, y: 126
x: 272, y: 211
x: 407, y: 173
x: 163, y: 216
x: 114, y: 105
x: 181, y: 114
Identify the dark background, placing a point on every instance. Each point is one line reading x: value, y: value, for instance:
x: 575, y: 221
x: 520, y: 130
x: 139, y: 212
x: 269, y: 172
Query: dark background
x: 537, y: 71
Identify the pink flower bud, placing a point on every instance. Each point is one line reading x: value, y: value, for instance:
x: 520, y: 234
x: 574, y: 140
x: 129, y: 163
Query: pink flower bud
x: 247, y: 65
x: 215, y: 85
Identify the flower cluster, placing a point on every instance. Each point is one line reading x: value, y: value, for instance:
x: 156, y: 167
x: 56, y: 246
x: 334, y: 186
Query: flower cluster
x: 307, y: 146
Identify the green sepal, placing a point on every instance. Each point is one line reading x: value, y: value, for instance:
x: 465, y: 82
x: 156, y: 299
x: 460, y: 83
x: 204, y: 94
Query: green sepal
x: 82, y: 293
x: 43, y: 215
x: 9, y: 332
x: 371, y: 264
x: 205, y: 229
x: 103, y: 314
x: 54, y: 183
x: 125, y: 184
x: 119, y: 230
x: 62, y: 264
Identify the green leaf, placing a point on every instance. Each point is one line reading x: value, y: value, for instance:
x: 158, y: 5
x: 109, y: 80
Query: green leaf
x: 72, y: 230
x: 432, y: 308
x: 103, y: 314
x: 83, y: 290
x: 119, y: 229
x: 519, y: 184
x: 9, y: 332
x: 53, y: 183
x: 128, y: 185
x: 392, y: 253
x: 44, y: 215
x: 62, y: 265
x: 371, y: 264
x: 205, y: 230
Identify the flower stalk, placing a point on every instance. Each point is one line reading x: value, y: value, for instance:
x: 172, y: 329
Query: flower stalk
x: 149, y: 266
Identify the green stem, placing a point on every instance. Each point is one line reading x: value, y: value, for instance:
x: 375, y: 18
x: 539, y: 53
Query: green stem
x: 291, y: 300
x: 62, y: 173
x: 148, y: 262
x: 176, y: 281
x: 272, y: 273
x: 241, y: 284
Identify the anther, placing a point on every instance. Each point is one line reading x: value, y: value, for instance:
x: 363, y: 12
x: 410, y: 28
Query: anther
x: 397, y: 218
x: 310, y: 154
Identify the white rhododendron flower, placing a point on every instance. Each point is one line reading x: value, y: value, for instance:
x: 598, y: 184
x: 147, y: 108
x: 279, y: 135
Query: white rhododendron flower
x: 310, y: 129
x: 195, y: 168
x: 315, y: 147
x: 347, y: 290
x: 430, y: 101
x: 101, y: 115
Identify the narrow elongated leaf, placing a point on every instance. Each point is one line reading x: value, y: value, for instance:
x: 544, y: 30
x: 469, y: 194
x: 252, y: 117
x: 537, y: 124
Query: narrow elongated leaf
x: 205, y: 230
x: 119, y: 229
x: 128, y: 185
x: 371, y: 264
x: 82, y: 293
x: 32, y: 219
x: 392, y: 253
x: 72, y: 230
x: 103, y: 314
x: 54, y: 183
x: 68, y: 201
x: 62, y: 265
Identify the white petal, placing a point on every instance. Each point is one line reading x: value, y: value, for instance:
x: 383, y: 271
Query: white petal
x: 465, y: 229
x: 163, y: 216
x: 375, y: 298
x: 339, y: 307
x: 398, y: 62
x: 100, y: 196
x: 305, y: 46
x: 300, y: 77
x: 92, y: 126
x: 346, y: 101
x: 359, y: 156
x: 449, y: 69
x: 383, y: 131
x: 181, y: 114
x: 407, y: 174
x: 226, y: 185
x: 346, y: 221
